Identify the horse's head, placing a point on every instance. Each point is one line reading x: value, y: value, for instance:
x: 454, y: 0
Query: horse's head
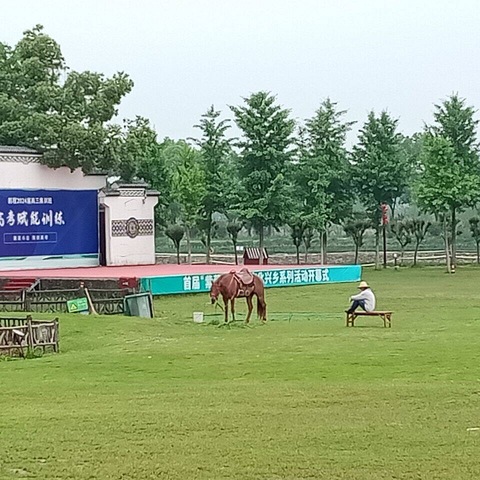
x: 214, y: 292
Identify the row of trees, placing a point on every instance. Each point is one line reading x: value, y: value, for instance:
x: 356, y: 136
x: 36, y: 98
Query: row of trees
x: 408, y: 233
x: 279, y: 172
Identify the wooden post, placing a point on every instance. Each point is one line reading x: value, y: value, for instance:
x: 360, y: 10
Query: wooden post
x: 26, y: 306
x: 56, y: 347
x: 90, y: 302
x: 30, y: 341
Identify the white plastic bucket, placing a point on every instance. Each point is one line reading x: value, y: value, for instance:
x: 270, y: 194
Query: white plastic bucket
x: 198, y: 317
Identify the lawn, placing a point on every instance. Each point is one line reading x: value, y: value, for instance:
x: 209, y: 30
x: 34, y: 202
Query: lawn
x: 301, y: 397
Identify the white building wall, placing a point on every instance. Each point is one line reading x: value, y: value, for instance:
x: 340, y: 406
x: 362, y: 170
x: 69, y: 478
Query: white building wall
x: 122, y: 249
x: 35, y: 176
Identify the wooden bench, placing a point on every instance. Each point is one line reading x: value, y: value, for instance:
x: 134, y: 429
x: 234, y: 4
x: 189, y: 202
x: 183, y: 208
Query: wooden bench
x: 384, y: 315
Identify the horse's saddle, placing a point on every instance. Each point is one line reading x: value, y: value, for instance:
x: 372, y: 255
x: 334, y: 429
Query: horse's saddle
x: 245, y: 282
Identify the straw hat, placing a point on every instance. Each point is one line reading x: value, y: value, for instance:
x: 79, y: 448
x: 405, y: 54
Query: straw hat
x: 363, y: 285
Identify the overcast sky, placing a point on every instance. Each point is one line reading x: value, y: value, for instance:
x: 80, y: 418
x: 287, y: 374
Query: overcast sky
x: 185, y: 55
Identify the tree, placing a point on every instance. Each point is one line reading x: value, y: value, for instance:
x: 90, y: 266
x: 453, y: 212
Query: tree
x: 450, y: 167
x: 189, y: 190
x: 475, y: 231
x: 380, y: 172
x: 410, y: 150
x: 297, y: 231
x: 324, y: 169
x: 175, y: 233
x: 308, y: 235
x: 65, y: 114
x: 266, y: 151
x: 156, y: 169
x: 446, y: 186
x: 138, y: 149
x: 355, y: 229
x: 443, y: 229
x: 402, y: 231
x: 214, y: 147
x: 233, y: 229
x: 419, y: 228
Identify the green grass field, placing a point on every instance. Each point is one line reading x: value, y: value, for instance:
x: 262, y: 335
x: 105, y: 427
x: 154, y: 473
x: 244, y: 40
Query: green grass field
x: 301, y: 397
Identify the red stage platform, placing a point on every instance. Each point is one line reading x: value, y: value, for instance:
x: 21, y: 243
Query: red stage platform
x: 137, y: 271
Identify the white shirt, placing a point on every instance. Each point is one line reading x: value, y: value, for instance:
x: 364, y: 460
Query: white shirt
x: 369, y: 298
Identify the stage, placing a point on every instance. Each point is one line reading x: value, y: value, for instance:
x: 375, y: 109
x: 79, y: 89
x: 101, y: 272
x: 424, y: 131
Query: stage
x: 163, y: 279
x: 135, y: 271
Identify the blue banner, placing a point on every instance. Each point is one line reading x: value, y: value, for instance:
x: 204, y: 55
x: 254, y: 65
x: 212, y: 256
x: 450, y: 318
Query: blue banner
x: 48, y: 222
x: 281, y: 277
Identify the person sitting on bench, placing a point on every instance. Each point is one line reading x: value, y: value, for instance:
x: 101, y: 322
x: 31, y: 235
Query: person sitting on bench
x: 365, y: 299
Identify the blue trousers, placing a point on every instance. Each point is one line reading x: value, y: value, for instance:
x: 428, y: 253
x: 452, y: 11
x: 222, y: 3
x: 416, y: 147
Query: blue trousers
x: 355, y: 304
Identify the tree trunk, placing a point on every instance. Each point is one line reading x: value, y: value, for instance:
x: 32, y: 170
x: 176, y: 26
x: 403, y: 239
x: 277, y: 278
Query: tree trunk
x: 377, y: 248
x: 454, y: 236
x: 415, y: 253
x: 298, y: 254
x: 392, y: 208
x: 356, y: 254
x: 260, y: 241
x: 178, y: 254
x: 235, y: 250
x: 189, y: 246
x: 209, y: 237
x: 306, y: 255
x: 321, y: 247
x: 447, y: 249
x: 325, y: 245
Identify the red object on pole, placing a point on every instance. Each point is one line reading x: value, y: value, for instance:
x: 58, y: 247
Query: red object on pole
x: 384, y: 214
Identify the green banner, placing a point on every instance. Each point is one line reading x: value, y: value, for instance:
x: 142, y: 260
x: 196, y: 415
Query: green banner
x: 281, y: 277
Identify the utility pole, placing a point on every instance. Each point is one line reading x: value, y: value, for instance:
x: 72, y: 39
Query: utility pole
x: 384, y: 228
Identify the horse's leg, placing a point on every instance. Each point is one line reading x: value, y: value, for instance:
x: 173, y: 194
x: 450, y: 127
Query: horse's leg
x: 261, y: 304
x: 250, y: 308
x: 261, y: 299
x: 233, y: 308
x: 225, y: 301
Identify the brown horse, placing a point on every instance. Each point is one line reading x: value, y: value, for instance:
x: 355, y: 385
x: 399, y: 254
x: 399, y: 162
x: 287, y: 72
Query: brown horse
x: 234, y: 285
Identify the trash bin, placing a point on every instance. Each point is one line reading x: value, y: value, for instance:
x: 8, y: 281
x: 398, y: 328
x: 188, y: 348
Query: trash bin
x: 139, y: 305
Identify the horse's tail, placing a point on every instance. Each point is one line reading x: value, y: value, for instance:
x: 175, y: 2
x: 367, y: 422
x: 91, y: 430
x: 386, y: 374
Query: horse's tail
x: 261, y: 308
x: 260, y: 293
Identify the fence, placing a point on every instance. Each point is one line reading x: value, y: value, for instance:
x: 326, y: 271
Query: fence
x: 21, y: 335
x: 105, y: 301
x: 12, y: 300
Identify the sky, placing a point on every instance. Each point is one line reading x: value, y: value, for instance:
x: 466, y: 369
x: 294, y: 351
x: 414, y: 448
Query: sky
x: 403, y: 56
